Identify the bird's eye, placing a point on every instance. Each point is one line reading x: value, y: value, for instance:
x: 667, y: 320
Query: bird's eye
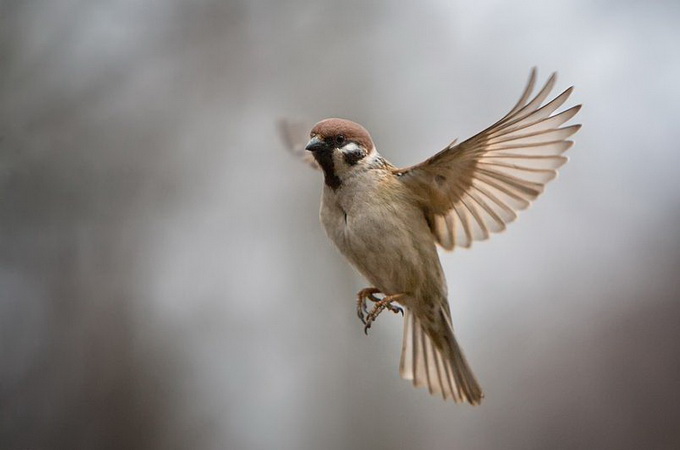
x: 340, y: 139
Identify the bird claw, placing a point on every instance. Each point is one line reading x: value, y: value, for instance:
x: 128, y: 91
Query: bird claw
x: 396, y: 309
x: 380, y: 305
x: 360, y: 313
x: 362, y: 296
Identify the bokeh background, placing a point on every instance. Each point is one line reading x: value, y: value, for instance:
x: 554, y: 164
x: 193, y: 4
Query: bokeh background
x: 164, y: 280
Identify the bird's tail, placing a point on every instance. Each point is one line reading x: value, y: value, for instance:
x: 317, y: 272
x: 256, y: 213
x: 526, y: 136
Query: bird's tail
x: 431, y: 357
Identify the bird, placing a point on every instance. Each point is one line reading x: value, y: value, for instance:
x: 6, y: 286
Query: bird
x: 388, y: 221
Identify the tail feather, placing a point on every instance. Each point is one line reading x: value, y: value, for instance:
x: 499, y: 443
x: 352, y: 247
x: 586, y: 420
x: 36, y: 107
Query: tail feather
x: 442, y: 370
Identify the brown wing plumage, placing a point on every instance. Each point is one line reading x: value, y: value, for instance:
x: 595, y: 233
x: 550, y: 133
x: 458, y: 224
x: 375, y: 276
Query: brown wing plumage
x: 295, y: 136
x: 475, y: 188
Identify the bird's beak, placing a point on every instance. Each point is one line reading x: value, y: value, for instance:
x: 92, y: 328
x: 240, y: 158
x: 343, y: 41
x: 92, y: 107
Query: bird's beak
x: 315, y: 144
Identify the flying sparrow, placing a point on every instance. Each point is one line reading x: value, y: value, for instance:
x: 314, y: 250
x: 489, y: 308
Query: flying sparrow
x: 386, y: 221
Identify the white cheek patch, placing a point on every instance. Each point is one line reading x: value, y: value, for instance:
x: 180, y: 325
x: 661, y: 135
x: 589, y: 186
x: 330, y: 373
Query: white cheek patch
x: 350, y: 147
x: 353, y: 153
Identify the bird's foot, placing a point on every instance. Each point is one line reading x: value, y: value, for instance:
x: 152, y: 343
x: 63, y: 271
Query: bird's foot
x: 380, y: 305
x: 362, y: 296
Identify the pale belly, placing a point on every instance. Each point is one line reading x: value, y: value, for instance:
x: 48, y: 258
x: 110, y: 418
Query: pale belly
x: 389, y: 244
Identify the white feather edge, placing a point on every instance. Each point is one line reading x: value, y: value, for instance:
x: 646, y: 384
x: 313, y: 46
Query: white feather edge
x: 520, y: 155
x: 425, y: 366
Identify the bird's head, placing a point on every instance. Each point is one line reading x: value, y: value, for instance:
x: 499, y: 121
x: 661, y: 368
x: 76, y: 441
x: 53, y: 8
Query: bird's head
x: 341, y: 147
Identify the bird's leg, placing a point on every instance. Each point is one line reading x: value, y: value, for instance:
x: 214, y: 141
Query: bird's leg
x: 362, y: 296
x: 380, y: 305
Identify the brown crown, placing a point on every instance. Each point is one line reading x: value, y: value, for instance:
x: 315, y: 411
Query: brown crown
x: 329, y: 128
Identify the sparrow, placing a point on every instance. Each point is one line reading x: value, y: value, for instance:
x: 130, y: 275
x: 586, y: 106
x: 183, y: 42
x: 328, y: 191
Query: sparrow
x: 388, y: 221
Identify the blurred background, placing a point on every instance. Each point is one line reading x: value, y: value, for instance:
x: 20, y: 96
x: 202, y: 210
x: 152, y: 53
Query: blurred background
x: 164, y: 280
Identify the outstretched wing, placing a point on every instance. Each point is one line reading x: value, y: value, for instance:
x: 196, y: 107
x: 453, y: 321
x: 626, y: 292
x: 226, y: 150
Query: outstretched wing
x: 295, y: 136
x: 475, y: 188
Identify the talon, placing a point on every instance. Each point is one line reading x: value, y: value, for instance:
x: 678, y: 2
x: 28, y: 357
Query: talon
x: 361, y: 316
x: 362, y: 296
x: 380, y: 305
x: 366, y: 317
x: 397, y: 310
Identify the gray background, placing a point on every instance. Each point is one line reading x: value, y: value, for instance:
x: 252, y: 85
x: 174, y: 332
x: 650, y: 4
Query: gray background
x: 164, y: 281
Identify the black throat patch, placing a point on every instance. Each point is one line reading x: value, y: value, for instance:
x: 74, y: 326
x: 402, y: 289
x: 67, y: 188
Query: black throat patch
x: 325, y: 160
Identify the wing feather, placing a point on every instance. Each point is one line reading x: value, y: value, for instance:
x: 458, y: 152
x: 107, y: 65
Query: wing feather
x: 295, y: 136
x: 472, y: 189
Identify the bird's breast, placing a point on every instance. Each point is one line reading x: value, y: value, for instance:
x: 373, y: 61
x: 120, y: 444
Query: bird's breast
x: 384, y: 236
